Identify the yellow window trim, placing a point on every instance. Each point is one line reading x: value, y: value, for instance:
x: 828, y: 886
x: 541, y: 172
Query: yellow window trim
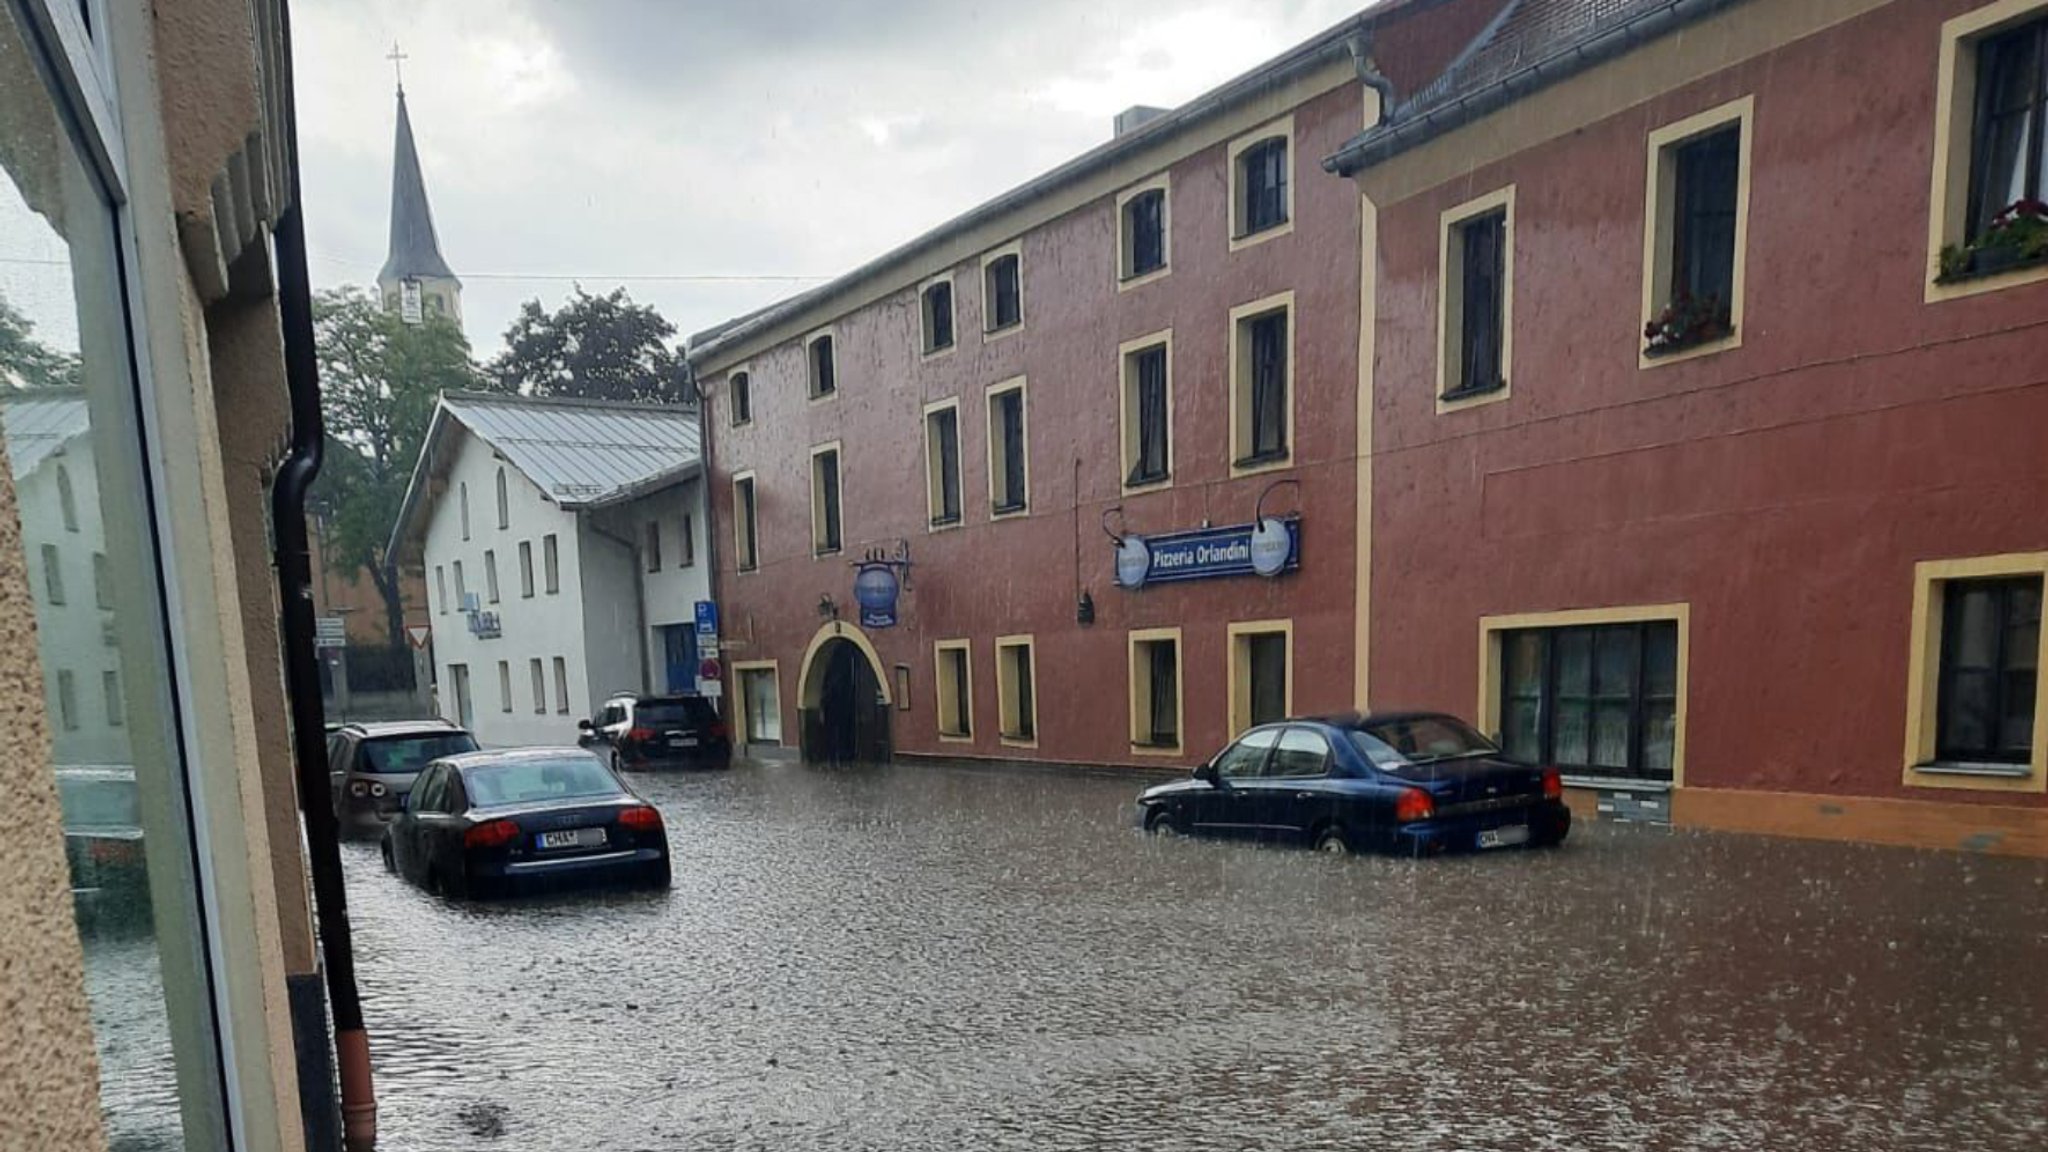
x: 1659, y: 202
x: 739, y: 526
x: 942, y: 689
x: 1955, y: 102
x: 1241, y: 384
x: 925, y: 352
x: 1006, y: 693
x: 988, y: 302
x: 739, y: 693
x: 1490, y: 628
x: 1163, y: 182
x: 1923, y: 672
x: 1019, y: 385
x: 1283, y: 128
x: 1450, y: 300
x: 1140, y: 690
x: 1239, y: 670
x: 1127, y: 410
x: 810, y: 369
x: 818, y: 549
x: 931, y: 463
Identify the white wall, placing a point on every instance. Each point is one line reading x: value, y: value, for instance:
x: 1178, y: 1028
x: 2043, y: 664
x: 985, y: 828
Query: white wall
x: 77, y: 636
x: 671, y: 594
x: 542, y: 626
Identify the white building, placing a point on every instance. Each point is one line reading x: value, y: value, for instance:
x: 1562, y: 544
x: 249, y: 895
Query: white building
x: 564, y: 546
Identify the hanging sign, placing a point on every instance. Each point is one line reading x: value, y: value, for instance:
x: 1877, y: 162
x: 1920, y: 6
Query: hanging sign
x: 875, y: 588
x: 1267, y: 548
x: 485, y: 626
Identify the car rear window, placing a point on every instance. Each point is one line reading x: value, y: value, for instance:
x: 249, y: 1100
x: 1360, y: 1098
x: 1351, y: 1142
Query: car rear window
x: 535, y: 781
x: 402, y: 755
x: 689, y: 710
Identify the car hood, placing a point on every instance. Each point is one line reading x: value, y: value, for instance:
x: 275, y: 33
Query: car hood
x: 1174, y: 788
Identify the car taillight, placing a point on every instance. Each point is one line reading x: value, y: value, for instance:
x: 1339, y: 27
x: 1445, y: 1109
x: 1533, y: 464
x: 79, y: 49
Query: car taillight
x: 718, y: 730
x: 1553, y: 784
x: 640, y: 734
x: 641, y: 819
x: 491, y: 834
x: 1413, y: 804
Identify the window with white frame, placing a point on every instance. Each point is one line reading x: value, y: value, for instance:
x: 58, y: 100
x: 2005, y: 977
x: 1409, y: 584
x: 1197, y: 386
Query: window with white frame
x: 942, y: 463
x: 825, y: 525
x: 935, y: 307
x: 1009, y: 447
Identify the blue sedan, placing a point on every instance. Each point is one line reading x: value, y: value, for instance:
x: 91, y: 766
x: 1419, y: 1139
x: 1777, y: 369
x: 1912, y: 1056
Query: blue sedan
x: 1413, y: 783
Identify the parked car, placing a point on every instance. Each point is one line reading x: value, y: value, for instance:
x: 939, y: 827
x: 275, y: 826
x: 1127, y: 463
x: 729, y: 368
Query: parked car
x: 103, y: 839
x: 491, y: 823
x: 633, y: 732
x: 372, y: 766
x: 1414, y: 783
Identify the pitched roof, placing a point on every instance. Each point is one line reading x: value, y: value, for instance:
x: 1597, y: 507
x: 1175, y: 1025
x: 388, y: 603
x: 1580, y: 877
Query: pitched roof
x: 415, y: 251
x: 1530, y: 45
x: 38, y: 424
x: 580, y: 453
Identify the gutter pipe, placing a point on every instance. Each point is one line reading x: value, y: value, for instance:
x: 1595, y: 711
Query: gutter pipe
x: 301, y: 667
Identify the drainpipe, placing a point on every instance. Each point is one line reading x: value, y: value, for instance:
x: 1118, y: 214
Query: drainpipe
x: 729, y: 705
x: 1369, y: 74
x: 301, y: 668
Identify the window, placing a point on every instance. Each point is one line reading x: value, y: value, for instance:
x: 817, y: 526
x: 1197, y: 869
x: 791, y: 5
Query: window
x: 686, y: 542
x: 67, y: 700
x: 1990, y: 670
x: 505, y: 685
x: 1009, y: 465
x: 651, y: 545
x: 525, y: 570
x: 67, y: 500
x: 1246, y: 758
x: 110, y: 690
x: 441, y: 588
x: 1694, y: 230
x: 540, y: 686
x: 461, y: 589
x: 1142, y: 233
x: 1146, y: 372
x: 745, y: 555
x: 462, y: 490
x: 1261, y: 384
x: 1261, y: 688
x: 504, y: 502
x: 465, y: 709
x: 1002, y: 290
x: 740, y: 387
x: 936, y: 306
x: 1594, y: 699
x: 1016, y: 690
x: 53, y: 575
x: 1301, y: 752
x: 1261, y: 190
x: 491, y: 574
x: 824, y: 370
x: 1475, y: 272
x: 2006, y: 155
x: 903, y: 687
x: 1990, y: 157
x: 763, y: 704
x: 825, y: 536
x: 561, y: 686
x: 942, y: 462
x: 1155, y: 691
x: 550, y: 564
x: 955, y: 681
x: 102, y: 582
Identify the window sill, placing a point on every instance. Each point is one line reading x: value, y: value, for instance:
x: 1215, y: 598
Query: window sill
x: 1262, y: 462
x: 1461, y: 398
x: 1248, y: 238
x: 1993, y: 770
x: 1146, y: 748
x: 743, y: 569
x: 1001, y: 511
x: 1021, y: 740
x: 827, y: 394
x: 1149, y: 480
x: 743, y: 423
x: 936, y: 352
x: 1135, y: 279
x: 1653, y: 357
x: 1617, y: 784
x: 1990, y: 280
x: 990, y: 335
x: 956, y: 738
x: 820, y: 553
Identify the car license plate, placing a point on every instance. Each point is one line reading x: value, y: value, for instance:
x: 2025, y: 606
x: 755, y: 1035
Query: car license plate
x: 1504, y: 837
x: 682, y: 741
x: 571, y: 838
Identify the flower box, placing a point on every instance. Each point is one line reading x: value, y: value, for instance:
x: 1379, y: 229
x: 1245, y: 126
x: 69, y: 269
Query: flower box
x: 2016, y: 238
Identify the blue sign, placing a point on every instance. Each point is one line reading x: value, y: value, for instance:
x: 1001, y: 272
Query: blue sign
x: 707, y: 618
x: 1268, y: 548
x: 874, y: 589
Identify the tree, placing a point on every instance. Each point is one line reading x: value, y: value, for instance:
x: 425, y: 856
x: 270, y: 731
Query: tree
x: 27, y: 362
x: 379, y: 381
x: 596, y: 348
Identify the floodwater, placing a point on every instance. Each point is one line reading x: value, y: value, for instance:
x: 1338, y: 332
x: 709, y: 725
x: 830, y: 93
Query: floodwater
x: 920, y: 957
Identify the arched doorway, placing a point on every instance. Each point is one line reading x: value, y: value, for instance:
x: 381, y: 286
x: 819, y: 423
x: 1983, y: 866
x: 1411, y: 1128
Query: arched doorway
x: 843, y: 699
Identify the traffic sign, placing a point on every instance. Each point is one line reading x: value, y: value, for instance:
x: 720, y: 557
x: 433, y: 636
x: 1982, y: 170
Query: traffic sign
x: 330, y: 632
x: 707, y: 618
x: 709, y: 670
x: 419, y: 634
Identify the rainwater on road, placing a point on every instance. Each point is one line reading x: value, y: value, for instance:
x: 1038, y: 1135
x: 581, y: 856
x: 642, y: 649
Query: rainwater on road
x: 924, y: 957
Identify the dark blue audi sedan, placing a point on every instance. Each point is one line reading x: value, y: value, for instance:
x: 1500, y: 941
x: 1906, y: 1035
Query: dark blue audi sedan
x: 1413, y: 783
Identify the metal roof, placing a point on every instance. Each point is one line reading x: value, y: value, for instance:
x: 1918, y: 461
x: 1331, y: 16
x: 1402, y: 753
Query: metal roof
x: 581, y: 453
x: 39, y: 424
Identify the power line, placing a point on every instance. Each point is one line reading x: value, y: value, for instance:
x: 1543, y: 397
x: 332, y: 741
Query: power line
x: 662, y: 277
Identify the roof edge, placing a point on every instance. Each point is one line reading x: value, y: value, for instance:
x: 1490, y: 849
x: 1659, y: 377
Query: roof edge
x: 518, y: 399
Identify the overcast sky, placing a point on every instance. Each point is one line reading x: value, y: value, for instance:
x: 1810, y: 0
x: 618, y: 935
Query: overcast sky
x: 618, y: 142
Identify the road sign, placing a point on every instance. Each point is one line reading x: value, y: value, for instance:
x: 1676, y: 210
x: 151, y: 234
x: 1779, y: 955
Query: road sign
x: 707, y: 618
x: 419, y: 634
x: 709, y: 670
x: 710, y: 689
x: 330, y: 632
x: 707, y: 646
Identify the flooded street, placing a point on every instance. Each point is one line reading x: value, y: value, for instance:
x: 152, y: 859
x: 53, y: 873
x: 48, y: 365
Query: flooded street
x: 920, y: 957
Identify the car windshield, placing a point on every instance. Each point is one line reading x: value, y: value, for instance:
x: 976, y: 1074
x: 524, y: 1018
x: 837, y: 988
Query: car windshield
x: 1413, y: 741
x: 688, y: 710
x: 537, y: 781
x: 404, y: 755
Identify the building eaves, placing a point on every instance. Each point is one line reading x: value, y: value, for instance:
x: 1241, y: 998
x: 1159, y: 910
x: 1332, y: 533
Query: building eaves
x: 1536, y: 43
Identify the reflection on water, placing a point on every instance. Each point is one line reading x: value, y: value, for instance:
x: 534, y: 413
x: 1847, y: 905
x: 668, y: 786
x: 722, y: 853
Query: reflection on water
x: 125, y: 986
x: 937, y: 958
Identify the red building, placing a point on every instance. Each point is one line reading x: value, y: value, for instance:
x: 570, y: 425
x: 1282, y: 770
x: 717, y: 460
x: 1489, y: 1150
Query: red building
x: 1705, y: 450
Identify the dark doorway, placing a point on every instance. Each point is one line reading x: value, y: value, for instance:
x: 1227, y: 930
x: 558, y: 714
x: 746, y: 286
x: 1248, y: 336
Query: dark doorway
x: 850, y: 723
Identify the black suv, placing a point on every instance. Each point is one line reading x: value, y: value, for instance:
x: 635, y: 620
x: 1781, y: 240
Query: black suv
x: 643, y: 731
x: 372, y: 766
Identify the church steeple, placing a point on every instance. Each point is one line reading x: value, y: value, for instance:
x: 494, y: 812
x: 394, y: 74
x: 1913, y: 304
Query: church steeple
x: 415, y: 280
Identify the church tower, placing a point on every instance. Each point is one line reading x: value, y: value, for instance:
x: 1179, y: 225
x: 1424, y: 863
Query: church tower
x: 415, y: 281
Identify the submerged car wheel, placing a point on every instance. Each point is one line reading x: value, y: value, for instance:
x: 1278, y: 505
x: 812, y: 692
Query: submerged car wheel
x: 1159, y: 822
x: 384, y: 850
x: 1331, y: 842
x: 658, y: 875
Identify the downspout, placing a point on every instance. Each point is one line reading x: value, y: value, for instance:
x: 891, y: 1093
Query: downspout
x: 1369, y: 74
x: 301, y: 667
x: 730, y: 705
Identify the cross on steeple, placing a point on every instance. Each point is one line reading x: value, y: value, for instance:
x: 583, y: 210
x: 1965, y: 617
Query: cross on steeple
x: 398, y: 59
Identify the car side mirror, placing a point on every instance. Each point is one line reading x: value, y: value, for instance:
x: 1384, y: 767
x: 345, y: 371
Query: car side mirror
x: 1207, y: 773
x: 583, y: 725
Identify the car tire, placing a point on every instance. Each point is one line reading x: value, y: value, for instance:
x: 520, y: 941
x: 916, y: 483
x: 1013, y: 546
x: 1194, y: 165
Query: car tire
x: 658, y: 876
x: 1332, y: 841
x: 618, y: 765
x: 1159, y: 822
x: 390, y: 861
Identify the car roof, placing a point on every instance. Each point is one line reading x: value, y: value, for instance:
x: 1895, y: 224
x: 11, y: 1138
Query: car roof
x: 401, y: 728
x: 464, y: 761
x: 1356, y: 719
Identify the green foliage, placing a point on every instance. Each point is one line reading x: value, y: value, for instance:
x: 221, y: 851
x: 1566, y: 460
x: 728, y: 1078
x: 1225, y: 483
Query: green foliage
x: 595, y: 348
x: 379, y: 381
x: 25, y: 361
